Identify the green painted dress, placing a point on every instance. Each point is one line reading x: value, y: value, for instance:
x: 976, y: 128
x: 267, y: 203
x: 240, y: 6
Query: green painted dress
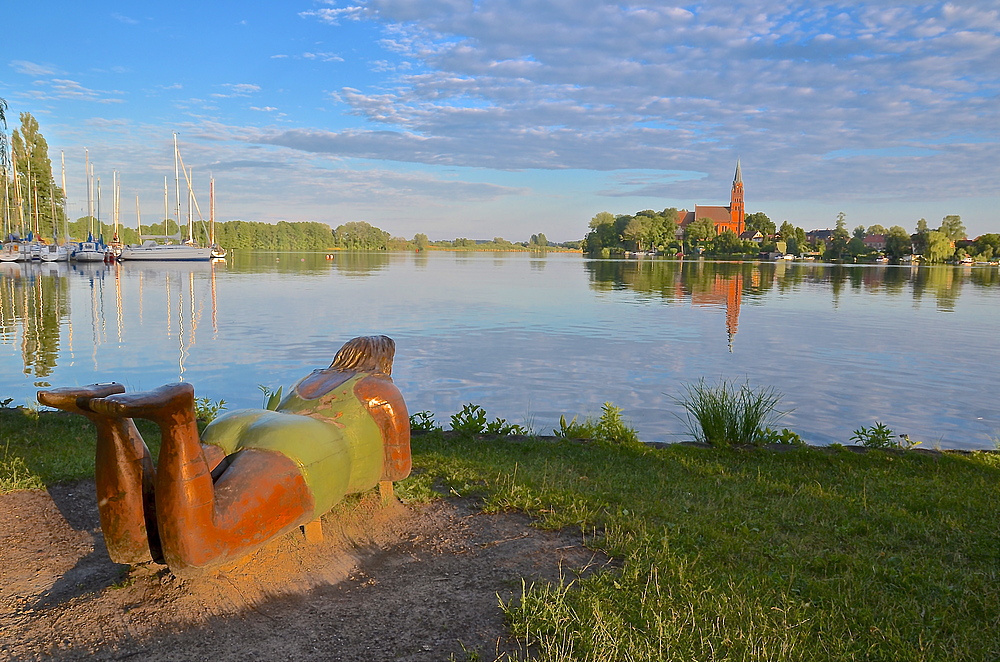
x: 332, y: 438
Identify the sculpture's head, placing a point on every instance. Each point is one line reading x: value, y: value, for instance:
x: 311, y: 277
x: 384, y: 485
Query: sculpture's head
x: 366, y: 354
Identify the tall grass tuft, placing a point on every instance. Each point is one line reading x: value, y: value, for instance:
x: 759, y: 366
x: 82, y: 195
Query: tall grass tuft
x: 729, y: 413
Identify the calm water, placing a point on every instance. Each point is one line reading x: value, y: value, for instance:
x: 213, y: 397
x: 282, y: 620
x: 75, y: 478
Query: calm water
x: 531, y: 337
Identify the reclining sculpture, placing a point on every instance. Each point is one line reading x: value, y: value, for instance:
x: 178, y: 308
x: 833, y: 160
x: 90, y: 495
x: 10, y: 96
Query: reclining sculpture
x: 255, y: 474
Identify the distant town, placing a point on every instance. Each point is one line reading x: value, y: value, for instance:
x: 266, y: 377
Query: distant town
x: 729, y: 232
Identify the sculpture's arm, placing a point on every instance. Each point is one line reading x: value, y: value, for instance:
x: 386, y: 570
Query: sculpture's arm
x: 385, y: 404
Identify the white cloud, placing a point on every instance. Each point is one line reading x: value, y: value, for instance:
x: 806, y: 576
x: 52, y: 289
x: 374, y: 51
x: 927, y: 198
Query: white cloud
x: 32, y: 68
x: 237, y: 90
x: 323, y: 57
x: 595, y: 85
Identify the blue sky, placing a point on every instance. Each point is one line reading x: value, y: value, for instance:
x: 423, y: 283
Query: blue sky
x: 512, y: 117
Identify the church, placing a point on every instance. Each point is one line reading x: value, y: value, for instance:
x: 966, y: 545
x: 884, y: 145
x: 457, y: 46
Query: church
x: 730, y: 218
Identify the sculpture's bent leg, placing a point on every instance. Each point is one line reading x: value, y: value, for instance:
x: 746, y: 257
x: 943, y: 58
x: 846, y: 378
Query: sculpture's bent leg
x: 124, y: 475
x: 260, y: 495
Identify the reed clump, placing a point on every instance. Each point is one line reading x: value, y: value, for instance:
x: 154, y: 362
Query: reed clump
x: 730, y: 413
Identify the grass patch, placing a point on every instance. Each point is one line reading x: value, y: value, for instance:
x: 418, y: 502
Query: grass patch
x: 729, y: 554
x: 38, y: 449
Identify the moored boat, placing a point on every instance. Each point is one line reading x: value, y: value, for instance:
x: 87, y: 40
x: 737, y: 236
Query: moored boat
x: 152, y: 251
x: 89, y: 251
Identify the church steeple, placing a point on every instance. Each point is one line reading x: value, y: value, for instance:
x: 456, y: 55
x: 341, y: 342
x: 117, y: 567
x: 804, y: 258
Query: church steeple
x: 737, y: 211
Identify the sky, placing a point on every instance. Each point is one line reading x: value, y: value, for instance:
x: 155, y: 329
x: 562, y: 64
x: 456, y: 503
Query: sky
x: 507, y: 118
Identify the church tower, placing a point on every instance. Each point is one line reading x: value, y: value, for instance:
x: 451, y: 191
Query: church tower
x: 737, y: 212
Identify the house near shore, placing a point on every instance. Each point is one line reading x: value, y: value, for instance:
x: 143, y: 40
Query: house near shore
x: 732, y: 218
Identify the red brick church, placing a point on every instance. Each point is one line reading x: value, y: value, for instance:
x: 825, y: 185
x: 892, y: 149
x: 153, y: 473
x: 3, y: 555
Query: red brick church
x: 725, y: 218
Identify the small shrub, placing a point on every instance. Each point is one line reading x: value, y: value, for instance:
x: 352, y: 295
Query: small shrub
x: 729, y: 414
x: 206, y: 410
x: 609, y: 427
x: 882, y: 436
x: 503, y: 428
x: 423, y: 421
x: 786, y: 436
x: 472, y: 419
x: 574, y: 430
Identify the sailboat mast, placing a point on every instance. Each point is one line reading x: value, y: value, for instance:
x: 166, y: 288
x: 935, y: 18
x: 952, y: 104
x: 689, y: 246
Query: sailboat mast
x: 166, y: 209
x: 138, y: 219
x: 62, y: 156
x: 190, y: 173
x: 90, y: 192
x: 177, y: 182
x: 211, y: 211
x: 100, y: 229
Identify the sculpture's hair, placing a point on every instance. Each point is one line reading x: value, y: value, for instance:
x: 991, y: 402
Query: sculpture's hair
x: 366, y: 354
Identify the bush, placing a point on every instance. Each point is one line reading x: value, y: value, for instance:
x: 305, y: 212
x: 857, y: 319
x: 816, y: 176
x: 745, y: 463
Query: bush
x: 608, y: 428
x: 730, y: 414
x: 882, y: 436
x: 423, y: 421
x: 473, y: 420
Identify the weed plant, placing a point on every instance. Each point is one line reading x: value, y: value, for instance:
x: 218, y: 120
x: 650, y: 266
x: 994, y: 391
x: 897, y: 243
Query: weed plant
x: 609, y: 427
x: 729, y: 413
x: 473, y: 420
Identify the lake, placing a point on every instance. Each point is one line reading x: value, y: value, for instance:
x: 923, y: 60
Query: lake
x: 531, y: 336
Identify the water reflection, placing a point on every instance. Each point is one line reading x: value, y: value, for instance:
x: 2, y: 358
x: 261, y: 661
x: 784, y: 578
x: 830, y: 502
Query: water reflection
x: 34, y: 300
x: 532, y: 336
x: 724, y: 283
x: 111, y: 301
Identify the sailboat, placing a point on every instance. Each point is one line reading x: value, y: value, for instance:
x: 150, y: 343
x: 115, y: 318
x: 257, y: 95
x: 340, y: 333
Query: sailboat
x: 150, y: 250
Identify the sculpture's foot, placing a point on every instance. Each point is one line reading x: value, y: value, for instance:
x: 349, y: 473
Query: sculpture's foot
x: 77, y: 399
x: 158, y: 405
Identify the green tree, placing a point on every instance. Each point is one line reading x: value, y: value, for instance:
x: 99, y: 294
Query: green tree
x: 635, y: 231
x: 758, y: 221
x: 859, y: 232
x: 602, y: 234
x: 700, y: 230
x: 537, y: 240
x: 359, y: 235
x: 37, y: 200
x: 727, y: 243
x: 897, y: 242
x: 939, y: 247
x: 420, y: 241
x: 877, y: 229
x: 952, y: 227
x: 838, y: 246
x: 986, y: 247
x: 790, y: 235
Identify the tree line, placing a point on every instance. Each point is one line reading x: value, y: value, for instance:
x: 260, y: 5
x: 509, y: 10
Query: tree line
x: 657, y: 231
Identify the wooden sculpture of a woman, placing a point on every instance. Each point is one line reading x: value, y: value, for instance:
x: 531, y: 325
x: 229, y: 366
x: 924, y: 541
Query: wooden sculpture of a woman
x: 254, y: 474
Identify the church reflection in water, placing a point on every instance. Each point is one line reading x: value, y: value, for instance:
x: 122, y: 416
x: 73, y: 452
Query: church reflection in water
x: 700, y: 283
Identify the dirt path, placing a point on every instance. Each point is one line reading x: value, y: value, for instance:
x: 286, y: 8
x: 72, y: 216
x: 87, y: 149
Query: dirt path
x: 387, y: 583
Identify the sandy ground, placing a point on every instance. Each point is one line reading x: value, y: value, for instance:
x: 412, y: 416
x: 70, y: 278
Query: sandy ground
x: 386, y: 583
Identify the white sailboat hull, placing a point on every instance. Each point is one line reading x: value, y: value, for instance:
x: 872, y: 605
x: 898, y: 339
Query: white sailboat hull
x: 159, y: 252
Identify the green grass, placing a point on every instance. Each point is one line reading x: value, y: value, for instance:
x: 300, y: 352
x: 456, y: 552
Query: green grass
x: 51, y: 447
x: 726, y: 554
x: 720, y: 554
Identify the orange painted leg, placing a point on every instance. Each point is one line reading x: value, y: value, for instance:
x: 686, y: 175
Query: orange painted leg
x: 124, y: 475
x: 260, y: 495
